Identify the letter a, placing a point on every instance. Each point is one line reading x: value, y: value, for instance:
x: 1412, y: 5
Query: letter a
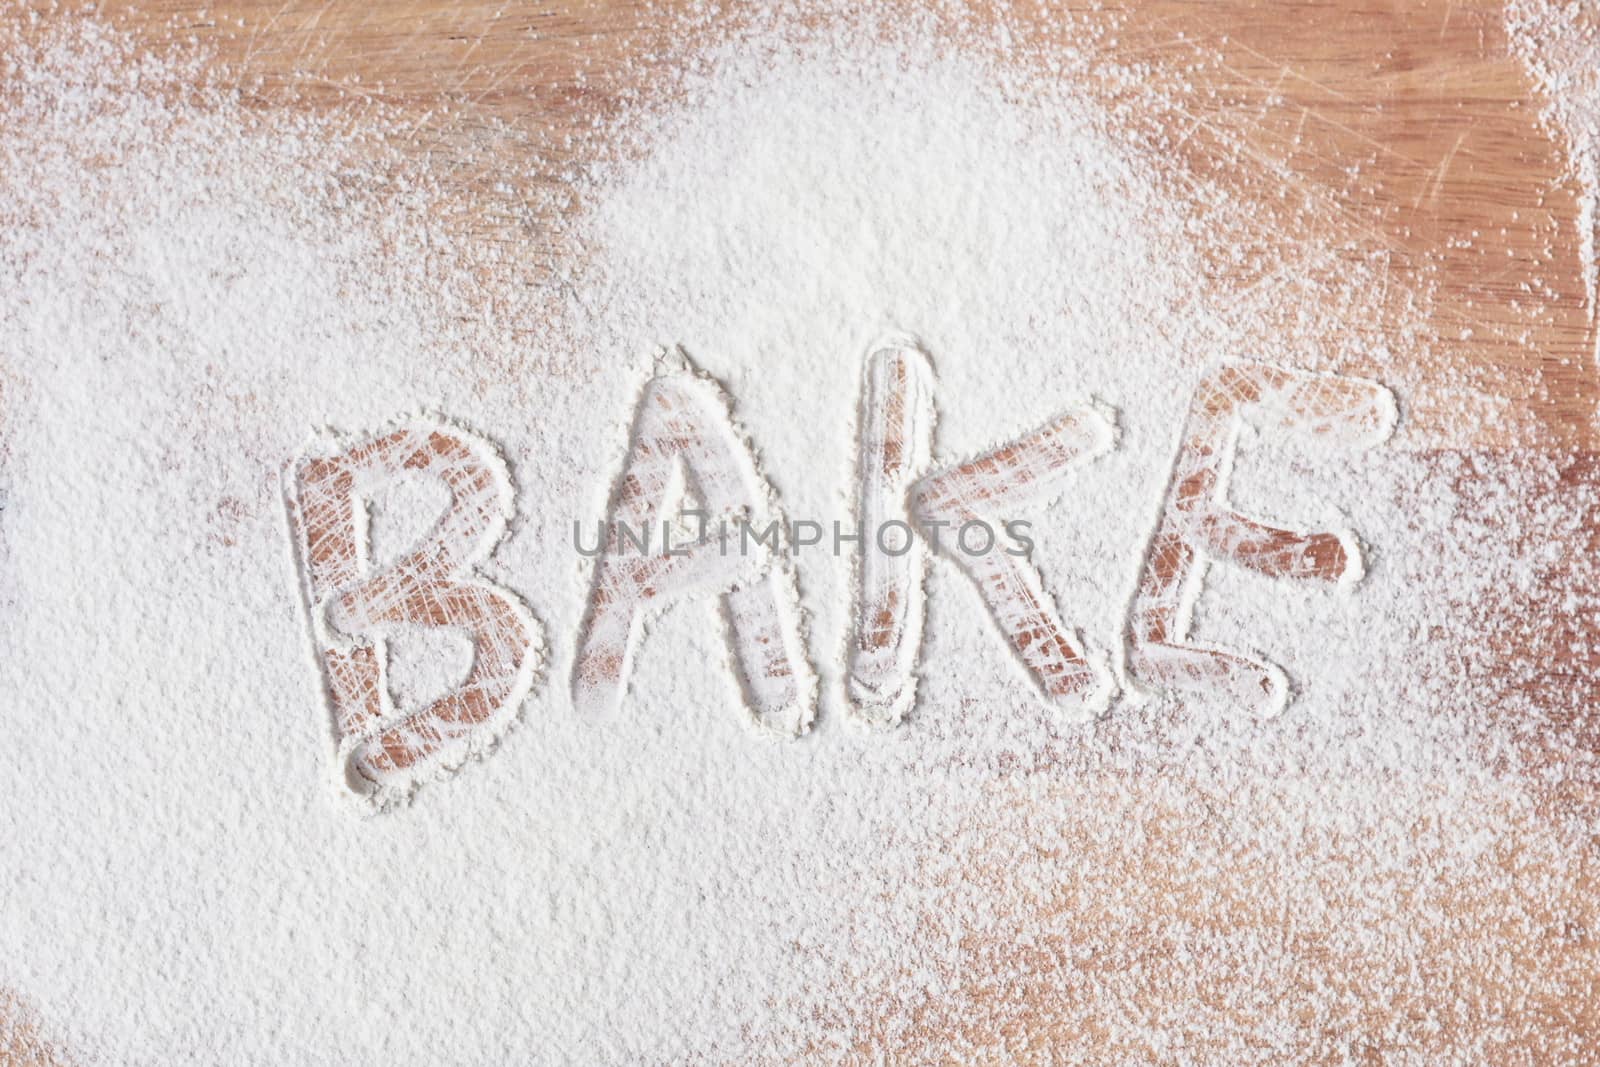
x: 383, y: 751
x: 683, y: 437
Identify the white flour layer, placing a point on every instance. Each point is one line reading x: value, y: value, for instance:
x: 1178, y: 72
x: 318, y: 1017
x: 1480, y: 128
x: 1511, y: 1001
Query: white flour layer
x: 191, y: 291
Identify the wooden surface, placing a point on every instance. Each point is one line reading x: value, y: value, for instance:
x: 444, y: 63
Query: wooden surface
x: 1405, y: 133
x: 1409, y: 126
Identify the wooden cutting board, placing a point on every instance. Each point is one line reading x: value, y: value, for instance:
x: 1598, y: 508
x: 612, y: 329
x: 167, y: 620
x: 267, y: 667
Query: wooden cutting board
x: 1413, y: 121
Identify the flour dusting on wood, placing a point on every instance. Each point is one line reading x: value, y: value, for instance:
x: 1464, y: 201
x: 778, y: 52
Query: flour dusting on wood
x: 1398, y: 867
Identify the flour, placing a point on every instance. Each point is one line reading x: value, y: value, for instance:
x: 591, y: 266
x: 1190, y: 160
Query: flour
x: 192, y: 290
x: 357, y: 606
x: 1560, y: 48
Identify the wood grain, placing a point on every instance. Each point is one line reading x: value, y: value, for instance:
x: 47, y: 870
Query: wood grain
x: 21, y: 1043
x: 1409, y: 126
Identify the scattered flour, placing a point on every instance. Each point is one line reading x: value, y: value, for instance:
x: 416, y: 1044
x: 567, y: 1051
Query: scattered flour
x: 1395, y: 868
x: 1559, y: 45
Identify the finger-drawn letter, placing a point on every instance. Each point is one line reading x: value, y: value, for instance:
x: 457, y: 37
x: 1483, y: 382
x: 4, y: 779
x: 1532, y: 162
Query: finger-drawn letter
x: 683, y: 437
x: 1197, y: 523
x: 354, y: 605
x: 895, y: 446
x: 989, y: 489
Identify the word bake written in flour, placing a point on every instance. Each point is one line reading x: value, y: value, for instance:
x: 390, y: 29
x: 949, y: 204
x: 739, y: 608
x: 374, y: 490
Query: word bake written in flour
x: 686, y: 456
